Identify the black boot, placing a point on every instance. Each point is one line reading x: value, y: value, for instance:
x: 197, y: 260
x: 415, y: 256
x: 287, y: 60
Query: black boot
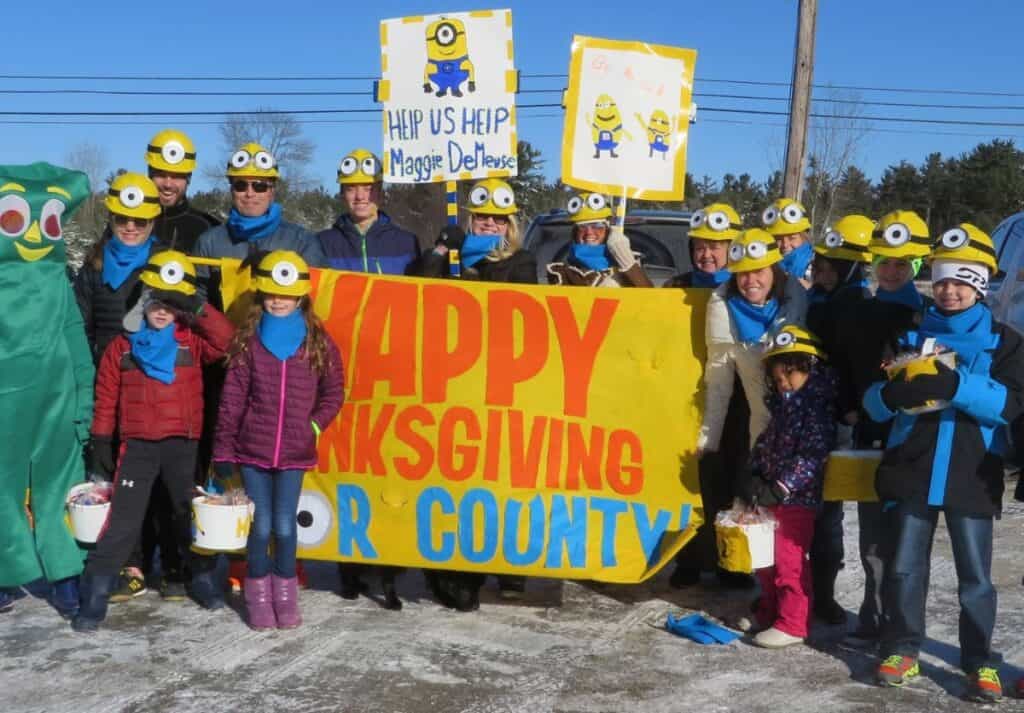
x: 94, y: 590
x: 207, y: 588
x: 352, y: 583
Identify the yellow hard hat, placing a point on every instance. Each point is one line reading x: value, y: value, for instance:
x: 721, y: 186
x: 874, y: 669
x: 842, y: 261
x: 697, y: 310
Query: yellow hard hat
x: 785, y: 217
x: 966, y: 243
x: 283, y: 272
x: 170, y: 270
x: 252, y: 160
x: 900, y: 234
x: 171, y: 150
x: 718, y: 221
x: 492, y: 196
x: 134, y: 195
x: 751, y: 250
x: 589, y: 208
x: 360, y: 166
x: 791, y: 339
x: 848, y: 239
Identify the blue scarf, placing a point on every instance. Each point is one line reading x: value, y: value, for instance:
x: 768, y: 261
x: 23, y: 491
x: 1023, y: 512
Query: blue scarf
x: 593, y: 257
x: 120, y: 260
x: 476, y: 247
x: 155, y: 351
x: 797, y: 261
x: 907, y: 296
x: 709, y: 279
x: 967, y: 333
x: 253, y: 229
x: 752, y: 321
x: 282, y: 336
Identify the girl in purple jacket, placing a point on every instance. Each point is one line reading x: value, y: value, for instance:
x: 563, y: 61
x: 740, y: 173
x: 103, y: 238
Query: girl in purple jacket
x: 284, y: 385
x: 788, y: 470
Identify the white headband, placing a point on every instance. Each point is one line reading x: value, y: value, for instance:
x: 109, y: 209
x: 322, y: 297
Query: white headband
x: 974, y: 274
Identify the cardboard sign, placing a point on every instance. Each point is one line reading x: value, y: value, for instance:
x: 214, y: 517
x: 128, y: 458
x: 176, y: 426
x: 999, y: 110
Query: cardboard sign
x: 500, y: 428
x: 627, y: 118
x: 448, y: 87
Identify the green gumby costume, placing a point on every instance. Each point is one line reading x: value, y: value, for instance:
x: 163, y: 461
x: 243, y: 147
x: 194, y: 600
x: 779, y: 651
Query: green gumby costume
x: 46, y: 375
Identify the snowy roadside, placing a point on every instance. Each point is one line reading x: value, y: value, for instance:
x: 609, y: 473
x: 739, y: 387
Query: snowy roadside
x: 569, y: 647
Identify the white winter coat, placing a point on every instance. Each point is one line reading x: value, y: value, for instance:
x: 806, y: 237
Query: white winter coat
x: 727, y: 356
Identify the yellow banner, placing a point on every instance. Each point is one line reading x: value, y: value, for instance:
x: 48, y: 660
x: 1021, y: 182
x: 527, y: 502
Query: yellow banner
x: 540, y: 431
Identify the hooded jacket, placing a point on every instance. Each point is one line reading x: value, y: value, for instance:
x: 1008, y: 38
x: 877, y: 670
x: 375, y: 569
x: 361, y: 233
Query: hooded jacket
x: 386, y: 249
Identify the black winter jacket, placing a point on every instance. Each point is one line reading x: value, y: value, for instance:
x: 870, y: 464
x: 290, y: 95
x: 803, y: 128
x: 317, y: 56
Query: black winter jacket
x: 180, y: 226
x: 103, y: 308
x: 519, y: 267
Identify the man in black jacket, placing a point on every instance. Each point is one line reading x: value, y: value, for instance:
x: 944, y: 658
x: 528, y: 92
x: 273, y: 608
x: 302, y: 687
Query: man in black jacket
x: 171, y: 158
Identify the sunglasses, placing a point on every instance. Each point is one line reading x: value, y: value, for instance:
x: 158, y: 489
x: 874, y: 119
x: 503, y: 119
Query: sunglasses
x: 499, y: 219
x: 125, y: 219
x: 257, y: 186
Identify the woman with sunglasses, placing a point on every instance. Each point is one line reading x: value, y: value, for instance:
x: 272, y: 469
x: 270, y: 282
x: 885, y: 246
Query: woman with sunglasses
x: 255, y: 224
x: 599, y: 256
x: 490, y: 251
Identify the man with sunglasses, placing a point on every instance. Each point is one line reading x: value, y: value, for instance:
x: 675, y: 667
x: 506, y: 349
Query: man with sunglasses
x: 364, y: 239
x: 171, y: 158
x: 254, y: 224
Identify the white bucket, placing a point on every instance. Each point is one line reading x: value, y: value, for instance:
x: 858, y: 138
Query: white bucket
x: 223, y: 528
x: 761, y: 541
x: 87, y: 521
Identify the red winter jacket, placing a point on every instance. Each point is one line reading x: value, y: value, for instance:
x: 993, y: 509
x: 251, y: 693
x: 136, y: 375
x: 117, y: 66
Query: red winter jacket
x: 268, y: 407
x: 145, y: 408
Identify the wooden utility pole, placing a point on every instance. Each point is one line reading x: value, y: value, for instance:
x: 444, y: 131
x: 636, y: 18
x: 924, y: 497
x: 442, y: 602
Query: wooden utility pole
x: 800, y: 99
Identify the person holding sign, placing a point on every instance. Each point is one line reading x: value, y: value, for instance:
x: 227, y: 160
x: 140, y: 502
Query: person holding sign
x: 491, y: 251
x: 786, y: 220
x: 364, y: 239
x: 600, y: 256
x: 712, y: 229
x: 945, y: 454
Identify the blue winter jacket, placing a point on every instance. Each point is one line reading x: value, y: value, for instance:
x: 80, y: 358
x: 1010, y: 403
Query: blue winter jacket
x: 386, y: 249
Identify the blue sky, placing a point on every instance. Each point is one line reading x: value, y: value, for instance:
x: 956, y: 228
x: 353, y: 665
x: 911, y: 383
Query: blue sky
x: 938, y: 44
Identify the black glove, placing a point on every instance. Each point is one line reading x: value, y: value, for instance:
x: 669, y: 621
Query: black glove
x: 904, y: 394
x: 101, y: 451
x: 253, y: 259
x: 452, y: 237
x: 765, y: 493
x: 189, y: 304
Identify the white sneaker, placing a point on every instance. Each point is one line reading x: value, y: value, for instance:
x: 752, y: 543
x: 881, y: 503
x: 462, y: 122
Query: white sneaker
x: 774, y: 639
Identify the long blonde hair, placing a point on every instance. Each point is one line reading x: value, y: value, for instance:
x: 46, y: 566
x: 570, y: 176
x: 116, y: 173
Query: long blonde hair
x: 314, y: 347
x: 510, y: 242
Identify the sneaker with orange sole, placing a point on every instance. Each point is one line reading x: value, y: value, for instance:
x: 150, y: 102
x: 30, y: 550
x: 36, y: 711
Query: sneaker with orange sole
x: 984, y: 686
x: 897, y: 670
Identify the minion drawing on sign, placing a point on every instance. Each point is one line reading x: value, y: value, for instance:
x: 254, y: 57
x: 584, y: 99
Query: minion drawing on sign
x: 658, y: 129
x: 606, y: 126
x: 448, y: 65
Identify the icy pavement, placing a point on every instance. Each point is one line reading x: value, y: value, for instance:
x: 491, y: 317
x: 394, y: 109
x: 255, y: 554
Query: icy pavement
x: 569, y: 647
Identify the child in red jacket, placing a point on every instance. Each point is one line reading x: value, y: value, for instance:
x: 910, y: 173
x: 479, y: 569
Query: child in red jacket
x: 284, y: 385
x: 149, y: 388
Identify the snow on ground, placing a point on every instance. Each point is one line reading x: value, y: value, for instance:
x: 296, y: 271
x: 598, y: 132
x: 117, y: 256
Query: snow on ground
x: 570, y: 647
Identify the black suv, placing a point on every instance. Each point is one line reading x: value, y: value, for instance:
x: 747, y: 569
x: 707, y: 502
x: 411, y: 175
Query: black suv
x: 659, y: 236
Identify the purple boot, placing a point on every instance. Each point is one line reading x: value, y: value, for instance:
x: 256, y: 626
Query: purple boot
x: 258, y: 603
x: 286, y: 602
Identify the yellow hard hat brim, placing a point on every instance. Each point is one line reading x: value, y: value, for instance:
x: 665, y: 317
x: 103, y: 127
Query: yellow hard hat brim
x: 907, y: 251
x: 749, y: 264
x: 705, y: 233
x: 145, y: 210
x: 781, y: 227
x: 843, y: 253
x: 153, y: 280
x: 490, y: 209
x: 793, y: 348
x: 966, y: 254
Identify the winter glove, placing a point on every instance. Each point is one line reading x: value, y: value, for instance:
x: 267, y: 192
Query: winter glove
x: 188, y: 304
x: 253, y: 259
x: 902, y: 393
x: 451, y: 237
x: 767, y: 494
x: 101, y: 450
x: 619, y: 248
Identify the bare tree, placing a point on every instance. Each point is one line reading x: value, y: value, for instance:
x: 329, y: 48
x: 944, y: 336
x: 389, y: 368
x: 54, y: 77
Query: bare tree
x: 87, y: 224
x: 276, y: 131
x: 837, y: 133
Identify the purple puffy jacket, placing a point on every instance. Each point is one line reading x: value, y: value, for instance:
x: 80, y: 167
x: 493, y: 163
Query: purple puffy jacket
x: 268, y: 407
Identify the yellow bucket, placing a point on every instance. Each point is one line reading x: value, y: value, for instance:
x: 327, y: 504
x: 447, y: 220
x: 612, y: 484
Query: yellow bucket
x: 745, y: 548
x: 850, y: 475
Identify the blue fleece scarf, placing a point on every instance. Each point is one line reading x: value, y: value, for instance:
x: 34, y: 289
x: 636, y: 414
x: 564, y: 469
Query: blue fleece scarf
x: 710, y: 279
x: 476, y: 247
x: 282, y: 336
x: 155, y: 351
x: 752, y: 321
x: 257, y: 228
x: 121, y: 260
x: 907, y: 296
x: 797, y: 261
x: 592, y: 257
x: 967, y: 333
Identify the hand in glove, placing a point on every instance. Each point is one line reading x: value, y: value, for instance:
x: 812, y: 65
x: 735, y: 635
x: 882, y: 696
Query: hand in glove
x: 189, y: 304
x: 253, y: 259
x: 619, y: 248
x: 101, y: 452
x: 769, y: 493
x: 451, y: 237
x: 902, y: 393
